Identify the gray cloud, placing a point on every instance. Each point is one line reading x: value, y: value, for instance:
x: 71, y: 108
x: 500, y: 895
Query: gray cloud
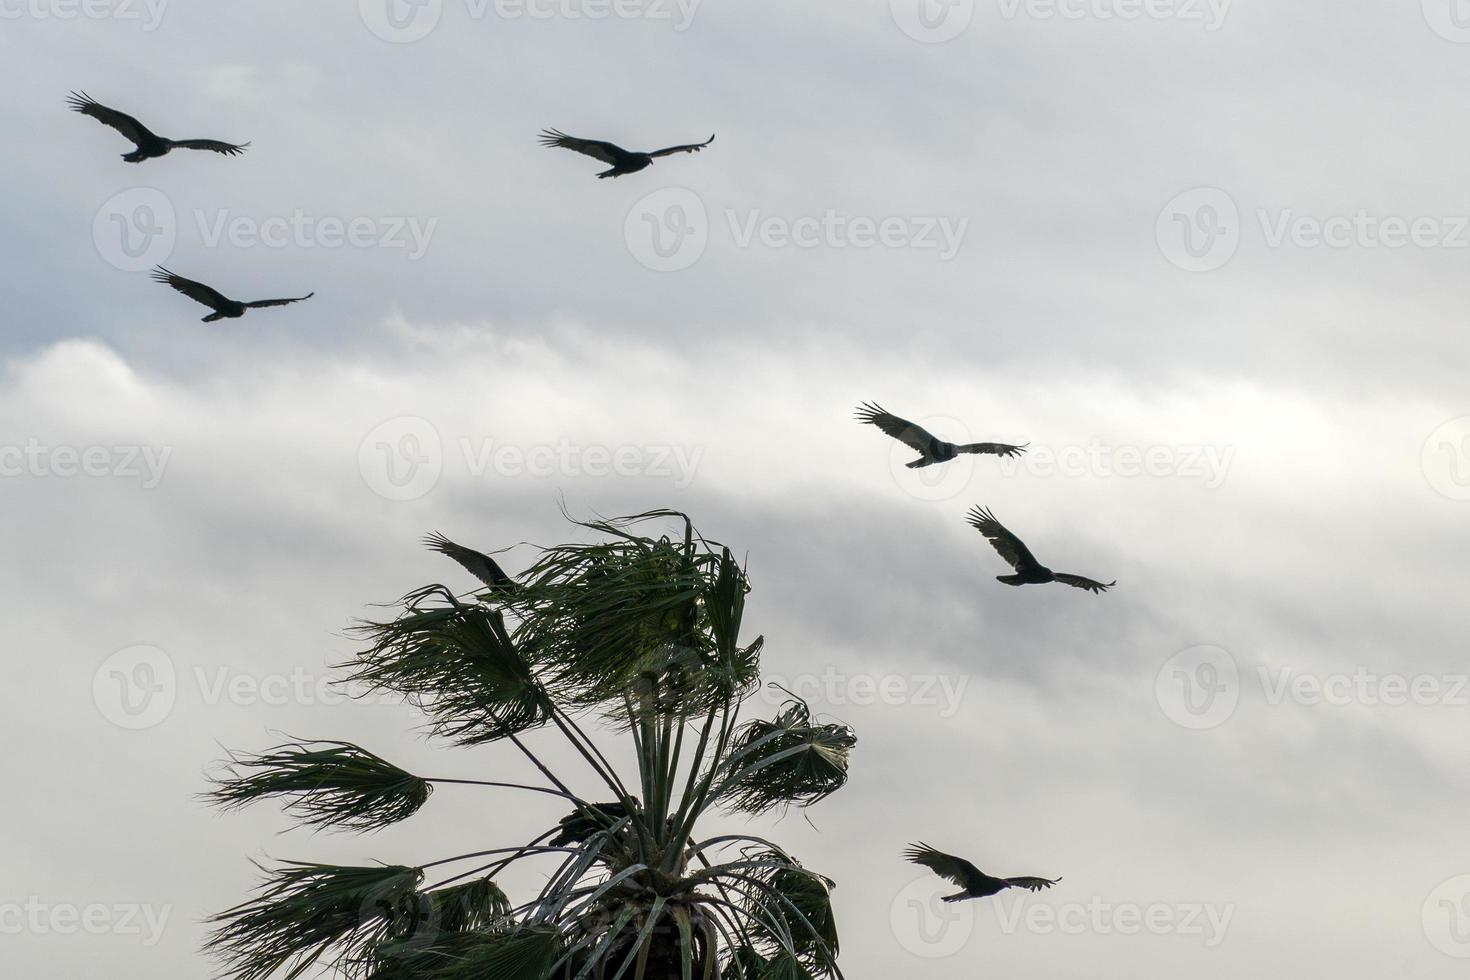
x: 1328, y: 376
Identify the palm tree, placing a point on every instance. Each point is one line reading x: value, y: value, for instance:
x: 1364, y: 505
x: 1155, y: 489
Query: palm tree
x: 637, y: 634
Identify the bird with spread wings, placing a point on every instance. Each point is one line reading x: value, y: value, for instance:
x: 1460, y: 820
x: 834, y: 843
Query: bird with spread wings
x: 480, y: 565
x: 930, y: 448
x: 223, y: 306
x: 976, y: 883
x: 147, y: 144
x: 622, y: 161
x: 1029, y: 571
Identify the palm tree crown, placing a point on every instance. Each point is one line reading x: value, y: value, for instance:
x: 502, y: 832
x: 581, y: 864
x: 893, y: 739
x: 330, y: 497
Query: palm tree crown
x: 639, y: 635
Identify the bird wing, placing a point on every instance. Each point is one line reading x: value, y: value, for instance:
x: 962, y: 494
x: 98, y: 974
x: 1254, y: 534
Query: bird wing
x: 218, y: 146
x: 120, y: 121
x: 1032, y: 884
x: 257, y: 304
x: 914, y: 436
x: 683, y: 148
x: 994, y: 448
x: 598, y: 149
x: 1082, y: 582
x: 956, y: 869
x: 196, y: 291
x: 481, y: 566
x: 1006, y: 544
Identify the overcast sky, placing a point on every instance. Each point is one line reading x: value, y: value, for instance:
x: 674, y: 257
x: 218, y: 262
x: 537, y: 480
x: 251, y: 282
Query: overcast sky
x: 1208, y: 258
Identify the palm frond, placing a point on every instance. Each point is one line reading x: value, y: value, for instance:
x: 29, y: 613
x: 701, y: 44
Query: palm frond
x: 304, y: 910
x: 786, y: 760
x: 744, y: 963
x: 328, y: 783
x: 604, y: 618
x: 472, y: 905
x: 459, y: 665
x: 803, y: 900
x: 654, y: 619
x: 449, y: 922
x: 515, y: 953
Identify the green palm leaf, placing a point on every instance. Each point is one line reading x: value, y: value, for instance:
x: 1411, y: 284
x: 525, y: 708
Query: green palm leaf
x: 329, y: 784
x: 304, y: 910
x: 786, y: 760
x: 459, y: 664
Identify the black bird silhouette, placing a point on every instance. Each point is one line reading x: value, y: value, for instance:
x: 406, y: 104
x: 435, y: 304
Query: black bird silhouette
x: 1029, y: 571
x: 976, y: 883
x: 623, y: 161
x: 223, y: 306
x: 481, y: 566
x: 930, y: 449
x: 148, y: 143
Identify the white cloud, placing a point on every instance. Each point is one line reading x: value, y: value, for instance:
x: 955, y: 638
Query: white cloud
x: 1328, y: 383
x: 264, y: 538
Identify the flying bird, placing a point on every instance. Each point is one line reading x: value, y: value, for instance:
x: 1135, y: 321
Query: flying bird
x: 976, y: 883
x: 931, y: 450
x: 1029, y: 571
x: 481, y: 566
x: 623, y: 161
x: 223, y: 306
x: 148, y: 143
